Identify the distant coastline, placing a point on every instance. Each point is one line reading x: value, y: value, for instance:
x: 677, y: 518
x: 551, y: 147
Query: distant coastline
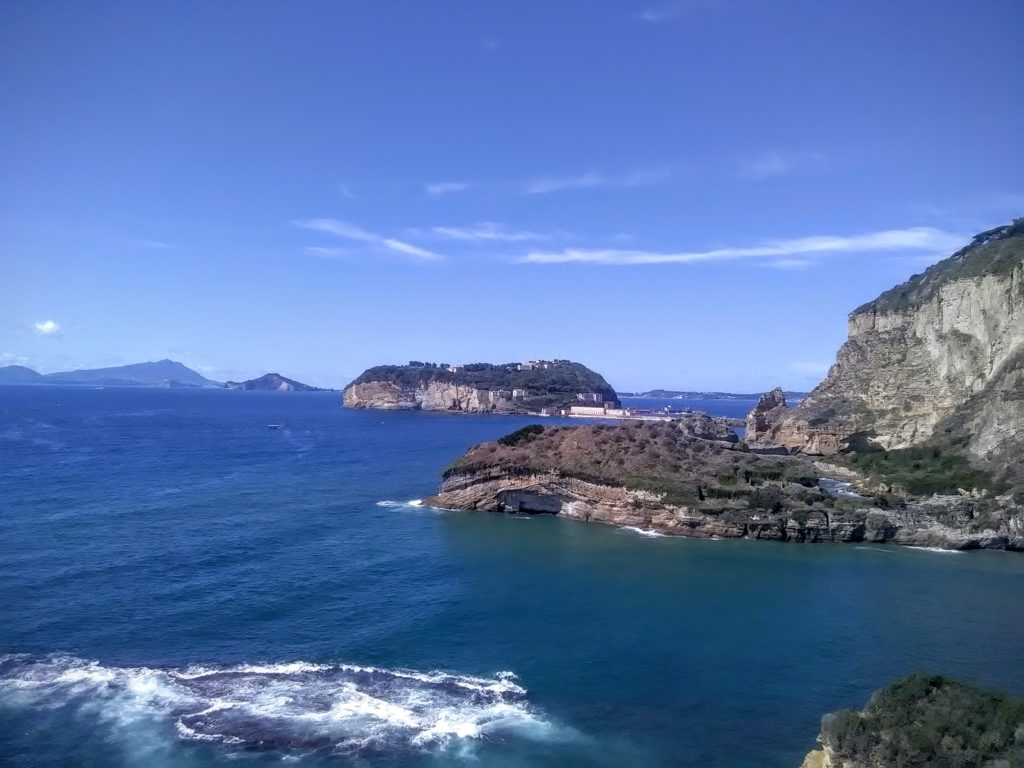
x: 676, y: 394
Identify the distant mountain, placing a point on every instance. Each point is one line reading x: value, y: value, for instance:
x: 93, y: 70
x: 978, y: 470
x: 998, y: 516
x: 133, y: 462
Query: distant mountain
x: 164, y: 373
x: 273, y: 382
x: 674, y: 394
x: 19, y: 374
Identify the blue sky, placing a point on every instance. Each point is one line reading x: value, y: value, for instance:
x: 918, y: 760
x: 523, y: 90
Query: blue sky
x: 682, y: 194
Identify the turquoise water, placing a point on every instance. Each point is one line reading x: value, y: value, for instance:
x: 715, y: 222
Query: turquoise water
x: 182, y: 586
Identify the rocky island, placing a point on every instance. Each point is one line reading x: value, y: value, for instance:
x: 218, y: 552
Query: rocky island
x: 924, y: 721
x: 535, y: 386
x: 916, y: 437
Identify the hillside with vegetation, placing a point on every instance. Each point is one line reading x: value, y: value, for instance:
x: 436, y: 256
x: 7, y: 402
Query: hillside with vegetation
x: 476, y: 387
x: 693, y: 477
x: 925, y: 721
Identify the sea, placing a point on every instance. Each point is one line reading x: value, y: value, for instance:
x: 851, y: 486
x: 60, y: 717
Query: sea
x: 183, y: 585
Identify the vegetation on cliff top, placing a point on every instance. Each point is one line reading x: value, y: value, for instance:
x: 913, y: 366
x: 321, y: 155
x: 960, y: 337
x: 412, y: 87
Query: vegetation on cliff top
x: 934, y: 467
x: 560, y: 382
x: 997, y: 251
x: 931, y: 721
x: 667, y: 458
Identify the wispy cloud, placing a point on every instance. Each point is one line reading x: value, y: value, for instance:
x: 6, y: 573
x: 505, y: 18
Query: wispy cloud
x: 9, y: 358
x: 593, y: 179
x: 46, y: 327
x: 156, y: 245
x: 327, y: 253
x: 347, y: 191
x: 815, y: 247
x: 486, y: 232
x: 441, y: 188
x: 347, y: 231
x: 778, y: 163
x: 788, y: 264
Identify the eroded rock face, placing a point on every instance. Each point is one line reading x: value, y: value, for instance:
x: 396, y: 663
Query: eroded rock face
x: 942, y: 354
x: 770, y: 408
x: 432, y: 396
x: 949, y: 522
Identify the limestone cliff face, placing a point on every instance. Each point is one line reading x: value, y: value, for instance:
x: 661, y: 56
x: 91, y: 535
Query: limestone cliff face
x: 942, y: 352
x: 430, y: 396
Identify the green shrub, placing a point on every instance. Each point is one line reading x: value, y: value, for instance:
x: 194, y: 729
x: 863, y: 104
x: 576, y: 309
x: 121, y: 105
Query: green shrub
x: 521, y: 435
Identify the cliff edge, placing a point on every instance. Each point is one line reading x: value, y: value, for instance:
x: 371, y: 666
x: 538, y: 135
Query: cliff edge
x: 937, y: 360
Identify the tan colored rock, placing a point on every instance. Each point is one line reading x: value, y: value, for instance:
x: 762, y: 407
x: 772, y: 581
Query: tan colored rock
x: 433, y: 396
x: 940, y: 355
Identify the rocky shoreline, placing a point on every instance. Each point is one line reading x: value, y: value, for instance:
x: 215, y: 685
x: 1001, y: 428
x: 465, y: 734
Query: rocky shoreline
x: 694, y: 479
x: 941, y: 522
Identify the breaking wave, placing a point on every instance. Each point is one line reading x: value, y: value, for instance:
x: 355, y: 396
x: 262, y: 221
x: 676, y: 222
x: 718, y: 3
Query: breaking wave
x: 643, y: 532
x: 291, y: 707
x: 398, y: 504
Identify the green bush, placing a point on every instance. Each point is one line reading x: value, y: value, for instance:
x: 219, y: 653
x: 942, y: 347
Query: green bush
x: 521, y: 435
x: 932, y: 721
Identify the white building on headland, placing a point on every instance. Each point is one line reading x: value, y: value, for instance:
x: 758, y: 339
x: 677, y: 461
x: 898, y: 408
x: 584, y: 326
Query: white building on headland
x: 518, y: 394
x: 590, y: 397
x: 456, y: 368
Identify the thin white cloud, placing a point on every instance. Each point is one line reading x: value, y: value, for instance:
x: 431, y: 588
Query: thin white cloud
x: 347, y: 191
x: 775, y: 163
x: 912, y: 239
x: 441, y: 188
x: 663, y: 11
x: 327, y: 253
x: 788, y: 264
x: 46, y: 327
x: 9, y: 358
x: 347, y: 231
x: 156, y: 245
x: 593, y: 179
x: 486, y: 232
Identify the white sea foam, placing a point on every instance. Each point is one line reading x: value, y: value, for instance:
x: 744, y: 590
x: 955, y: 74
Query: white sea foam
x: 939, y: 550
x: 643, y: 532
x: 294, y: 707
x: 410, y: 504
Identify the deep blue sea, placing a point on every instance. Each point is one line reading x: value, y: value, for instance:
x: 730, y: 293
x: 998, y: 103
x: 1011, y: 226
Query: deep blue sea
x: 182, y: 586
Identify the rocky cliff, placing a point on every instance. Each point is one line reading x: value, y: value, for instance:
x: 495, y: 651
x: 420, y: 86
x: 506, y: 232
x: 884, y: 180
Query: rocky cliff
x: 427, y: 396
x: 689, y: 479
x: 478, y: 387
x: 940, y: 357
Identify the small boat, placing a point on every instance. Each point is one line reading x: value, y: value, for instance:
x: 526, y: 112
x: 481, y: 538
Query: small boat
x: 274, y: 426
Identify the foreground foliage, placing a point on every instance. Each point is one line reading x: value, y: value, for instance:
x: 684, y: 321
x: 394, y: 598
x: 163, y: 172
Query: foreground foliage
x: 931, y: 721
